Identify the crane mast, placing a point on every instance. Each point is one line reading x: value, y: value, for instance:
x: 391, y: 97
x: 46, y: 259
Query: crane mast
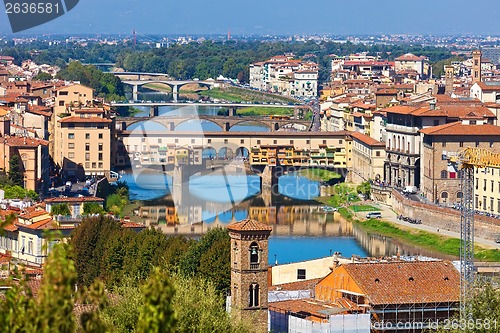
x: 470, y: 158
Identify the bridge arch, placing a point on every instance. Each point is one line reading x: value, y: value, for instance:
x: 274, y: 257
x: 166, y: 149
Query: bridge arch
x: 225, y: 153
x: 209, y: 153
x: 196, y: 122
x: 242, y: 121
x: 152, y: 122
x: 242, y: 152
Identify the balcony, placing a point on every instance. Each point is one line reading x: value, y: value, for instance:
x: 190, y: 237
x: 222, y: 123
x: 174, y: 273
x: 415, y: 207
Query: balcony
x: 402, y: 129
x: 254, y: 266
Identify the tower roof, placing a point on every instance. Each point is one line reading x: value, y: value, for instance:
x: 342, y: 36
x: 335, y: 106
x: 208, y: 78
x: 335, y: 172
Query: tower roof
x: 249, y: 225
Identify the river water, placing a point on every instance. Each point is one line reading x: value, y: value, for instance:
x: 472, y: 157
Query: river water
x: 302, y: 230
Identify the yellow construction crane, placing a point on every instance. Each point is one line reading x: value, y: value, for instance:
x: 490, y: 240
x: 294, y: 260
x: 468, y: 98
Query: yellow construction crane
x: 469, y: 159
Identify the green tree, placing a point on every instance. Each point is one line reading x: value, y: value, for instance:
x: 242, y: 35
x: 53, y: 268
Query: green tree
x: 364, y: 188
x: 212, y: 248
x: 89, y: 243
x: 53, y: 311
x: 15, y: 171
x: 42, y: 76
x: 60, y: 209
x: 92, y: 208
x: 157, y: 314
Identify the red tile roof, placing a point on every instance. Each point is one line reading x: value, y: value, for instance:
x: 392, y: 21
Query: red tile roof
x: 457, y: 128
x: 409, y: 57
x: 31, y: 214
x: 74, y: 199
x: 489, y: 87
x: 367, y: 139
x: 18, y: 141
x: 249, y: 225
x: 406, y: 282
x: 73, y: 119
x: 88, y: 110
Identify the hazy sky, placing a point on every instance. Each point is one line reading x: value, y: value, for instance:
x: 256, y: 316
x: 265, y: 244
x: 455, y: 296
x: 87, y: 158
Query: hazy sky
x: 275, y: 17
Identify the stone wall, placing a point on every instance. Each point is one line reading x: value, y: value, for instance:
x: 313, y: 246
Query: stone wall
x: 442, y: 217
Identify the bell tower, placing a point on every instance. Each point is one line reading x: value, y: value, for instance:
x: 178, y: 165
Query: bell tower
x: 476, y: 66
x: 448, y: 69
x: 249, y: 252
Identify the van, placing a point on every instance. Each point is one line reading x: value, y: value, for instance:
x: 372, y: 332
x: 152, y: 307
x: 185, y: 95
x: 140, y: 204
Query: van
x: 374, y: 215
x: 410, y: 190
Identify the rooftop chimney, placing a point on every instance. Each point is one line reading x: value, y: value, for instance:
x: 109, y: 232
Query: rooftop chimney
x: 432, y: 104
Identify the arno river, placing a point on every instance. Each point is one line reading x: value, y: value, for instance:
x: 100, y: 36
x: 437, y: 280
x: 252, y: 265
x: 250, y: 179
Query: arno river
x: 301, y: 228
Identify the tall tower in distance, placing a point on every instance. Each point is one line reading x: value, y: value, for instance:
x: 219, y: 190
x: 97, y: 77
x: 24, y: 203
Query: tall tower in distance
x: 249, y: 252
x: 476, y: 66
x: 449, y: 70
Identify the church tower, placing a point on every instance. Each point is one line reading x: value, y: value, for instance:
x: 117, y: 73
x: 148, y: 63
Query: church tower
x: 448, y: 69
x: 476, y: 66
x: 249, y: 252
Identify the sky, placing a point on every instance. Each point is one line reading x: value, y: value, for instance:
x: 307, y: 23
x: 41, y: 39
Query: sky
x: 261, y: 17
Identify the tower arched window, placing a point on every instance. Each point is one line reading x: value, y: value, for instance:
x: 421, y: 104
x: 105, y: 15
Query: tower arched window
x: 253, y: 293
x: 254, y: 253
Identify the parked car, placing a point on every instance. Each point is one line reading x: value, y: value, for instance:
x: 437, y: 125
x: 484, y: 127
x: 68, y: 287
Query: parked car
x: 374, y: 215
x: 329, y: 209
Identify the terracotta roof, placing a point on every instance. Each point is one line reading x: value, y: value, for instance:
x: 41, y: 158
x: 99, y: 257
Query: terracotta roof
x: 43, y: 224
x: 457, y: 128
x: 18, y: 141
x: 492, y: 86
x: 400, y: 109
x: 452, y: 111
x: 74, y: 199
x: 11, y: 227
x: 40, y: 110
x: 73, y: 119
x: 367, y: 139
x: 132, y: 225
x: 249, y: 225
x: 406, y: 282
x: 31, y: 214
x: 409, y: 57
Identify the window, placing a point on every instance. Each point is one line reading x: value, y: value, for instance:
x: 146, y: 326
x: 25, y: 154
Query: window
x: 477, y: 143
x: 99, y: 147
x: 484, y: 202
x: 498, y: 205
x: 71, y: 145
x: 308, y: 142
x: 192, y: 140
x: 87, y: 165
x: 291, y: 142
x: 99, y: 157
x: 477, y: 183
x: 301, y: 274
x: 87, y: 156
x: 87, y: 147
x: 491, y: 204
x: 71, y: 135
x: 71, y: 155
x: 30, y: 246
x: 443, y: 144
x: 176, y: 140
x: 377, y: 153
x: 100, y: 165
x: 93, y: 165
x: 159, y: 140
x: 461, y: 144
x: 340, y: 142
x: 242, y: 141
x: 459, y: 195
x: 476, y: 202
x: 61, y: 103
x: 275, y: 142
x: 100, y: 137
x: 63, y: 93
x: 87, y: 136
x: 444, y: 174
x: 492, y: 184
x: 253, y: 295
x: 324, y: 142
x: 484, y: 185
x: 254, y: 256
x: 258, y: 142
x: 209, y: 141
x: 444, y: 195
